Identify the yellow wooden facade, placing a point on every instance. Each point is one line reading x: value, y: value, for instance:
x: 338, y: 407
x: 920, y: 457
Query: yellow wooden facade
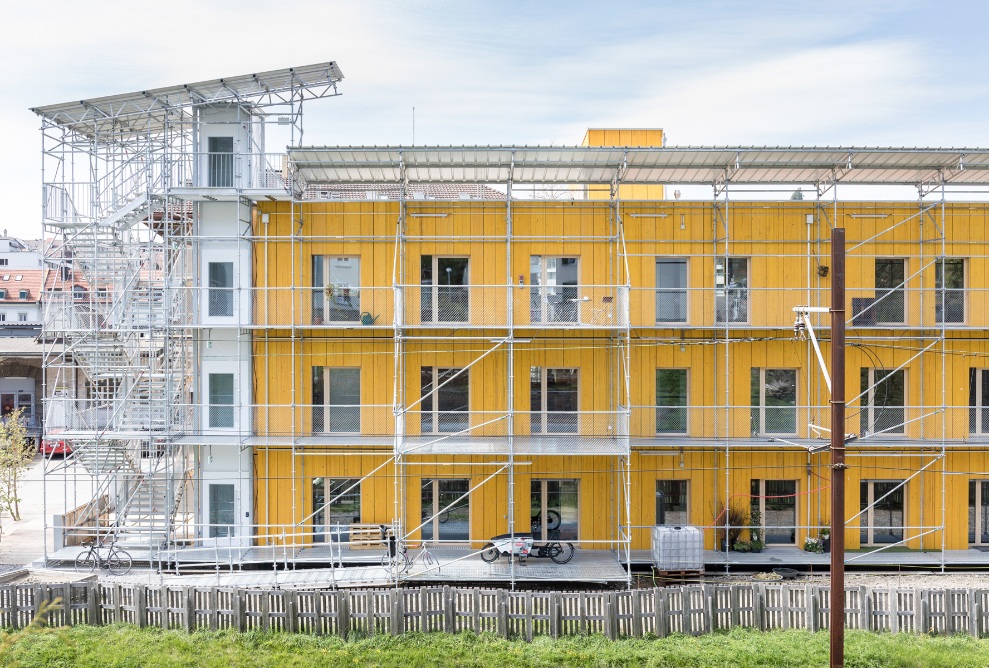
x: 785, y: 243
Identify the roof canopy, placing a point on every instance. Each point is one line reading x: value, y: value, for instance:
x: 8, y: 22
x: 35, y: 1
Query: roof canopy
x: 676, y: 164
x: 149, y: 110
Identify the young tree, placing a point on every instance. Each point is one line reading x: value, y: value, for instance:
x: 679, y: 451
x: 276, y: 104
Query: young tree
x: 16, y: 452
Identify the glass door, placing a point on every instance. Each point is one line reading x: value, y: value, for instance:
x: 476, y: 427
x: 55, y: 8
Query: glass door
x: 883, y: 512
x: 444, y: 283
x: 776, y: 502
x: 336, y: 285
x: 554, y: 509
x: 554, y: 293
x: 445, y: 513
x: 978, y: 512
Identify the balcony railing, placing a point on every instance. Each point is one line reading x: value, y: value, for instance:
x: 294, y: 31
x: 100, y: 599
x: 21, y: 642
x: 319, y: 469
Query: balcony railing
x: 743, y: 307
x: 242, y: 171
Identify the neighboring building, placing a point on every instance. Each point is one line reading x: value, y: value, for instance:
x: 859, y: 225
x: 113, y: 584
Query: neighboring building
x: 22, y: 278
x: 466, y: 341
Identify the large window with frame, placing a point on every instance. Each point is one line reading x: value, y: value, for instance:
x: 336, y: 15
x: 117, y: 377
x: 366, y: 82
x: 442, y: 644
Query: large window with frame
x: 671, y: 401
x: 336, y: 399
x: 445, y: 508
x: 774, y: 401
x: 671, y: 290
x: 883, y: 401
x: 671, y: 502
x: 445, y: 405
x: 554, y: 291
x: 553, y: 395
x: 978, y: 512
x: 882, y: 506
x: 221, y: 289
x: 336, y: 504
x: 444, y: 294
x: 221, y: 400
x: 949, y: 284
x: 731, y: 283
x: 978, y: 401
x: 336, y: 283
x: 890, y: 305
x: 776, y: 503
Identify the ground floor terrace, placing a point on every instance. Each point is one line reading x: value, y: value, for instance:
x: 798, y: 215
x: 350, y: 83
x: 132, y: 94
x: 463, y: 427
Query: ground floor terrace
x: 899, y: 497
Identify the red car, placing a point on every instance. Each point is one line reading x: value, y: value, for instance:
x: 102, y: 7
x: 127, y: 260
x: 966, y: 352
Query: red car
x: 49, y: 448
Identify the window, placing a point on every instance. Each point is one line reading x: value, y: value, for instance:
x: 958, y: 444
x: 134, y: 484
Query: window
x: 731, y: 283
x: 774, y: 401
x: 671, y: 401
x: 339, y: 500
x: 949, y: 281
x: 446, y: 400
x: 66, y: 273
x: 102, y: 293
x: 336, y: 398
x: 78, y: 292
x: 3, y: 294
x: 23, y: 294
x: 21, y: 316
x: 336, y: 285
x: 222, y: 511
x: 221, y: 162
x: 221, y: 400
x: 14, y: 401
x: 882, y: 401
x: 3, y: 262
x: 445, y: 510
x: 890, y: 306
x: 671, y: 502
x: 3, y: 317
x: 881, y: 503
x: 221, y: 293
x: 776, y: 503
x: 978, y: 401
x: 554, y: 507
x: 554, y: 293
x: 671, y: 290
x: 444, y: 296
x: 553, y: 400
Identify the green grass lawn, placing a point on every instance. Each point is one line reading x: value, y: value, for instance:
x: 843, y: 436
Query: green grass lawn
x: 129, y: 646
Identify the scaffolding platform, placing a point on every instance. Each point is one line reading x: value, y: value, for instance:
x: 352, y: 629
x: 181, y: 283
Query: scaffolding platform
x: 774, y: 557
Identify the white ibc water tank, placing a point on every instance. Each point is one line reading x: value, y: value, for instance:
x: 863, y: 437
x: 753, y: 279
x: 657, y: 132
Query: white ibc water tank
x: 678, y: 548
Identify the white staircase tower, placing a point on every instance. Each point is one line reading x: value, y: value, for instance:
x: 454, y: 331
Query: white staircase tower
x: 145, y: 194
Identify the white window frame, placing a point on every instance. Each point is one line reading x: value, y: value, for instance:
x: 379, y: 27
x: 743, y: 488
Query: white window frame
x: 761, y: 408
x: 543, y: 413
x: 326, y: 407
x: 870, y: 410
x: 334, y: 292
x: 663, y: 290
x: 977, y: 379
x: 434, y: 411
x: 867, y: 521
x: 685, y: 407
x: 732, y: 297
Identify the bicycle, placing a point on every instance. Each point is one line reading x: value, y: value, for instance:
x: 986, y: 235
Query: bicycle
x: 397, y: 556
x: 117, y: 561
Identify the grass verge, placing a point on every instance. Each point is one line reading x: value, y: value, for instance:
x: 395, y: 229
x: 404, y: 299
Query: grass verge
x: 122, y: 646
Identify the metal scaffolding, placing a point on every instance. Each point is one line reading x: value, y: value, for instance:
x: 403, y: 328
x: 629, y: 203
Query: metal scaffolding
x: 124, y: 182
x: 142, y: 203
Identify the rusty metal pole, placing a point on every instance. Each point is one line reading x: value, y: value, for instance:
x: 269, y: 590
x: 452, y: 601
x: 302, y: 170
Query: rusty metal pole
x: 837, y: 448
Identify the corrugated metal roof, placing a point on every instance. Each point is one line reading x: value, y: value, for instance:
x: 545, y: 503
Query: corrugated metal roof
x: 674, y: 164
x: 148, y: 110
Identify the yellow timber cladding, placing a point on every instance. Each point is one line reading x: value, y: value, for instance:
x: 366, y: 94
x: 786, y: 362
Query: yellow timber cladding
x: 662, y: 328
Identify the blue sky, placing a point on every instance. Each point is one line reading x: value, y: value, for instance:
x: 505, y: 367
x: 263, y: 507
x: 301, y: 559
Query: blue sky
x: 904, y: 73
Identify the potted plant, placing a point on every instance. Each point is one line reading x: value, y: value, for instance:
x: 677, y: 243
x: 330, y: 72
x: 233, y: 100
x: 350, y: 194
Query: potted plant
x: 812, y: 544
x: 755, y: 530
x: 737, y: 518
x: 742, y: 546
x: 756, y: 546
x: 825, y: 536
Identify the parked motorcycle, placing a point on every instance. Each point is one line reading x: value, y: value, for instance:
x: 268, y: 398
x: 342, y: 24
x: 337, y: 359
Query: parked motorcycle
x: 522, y: 546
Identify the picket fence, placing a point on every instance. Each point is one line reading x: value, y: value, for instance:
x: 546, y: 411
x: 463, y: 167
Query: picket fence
x: 694, y: 610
